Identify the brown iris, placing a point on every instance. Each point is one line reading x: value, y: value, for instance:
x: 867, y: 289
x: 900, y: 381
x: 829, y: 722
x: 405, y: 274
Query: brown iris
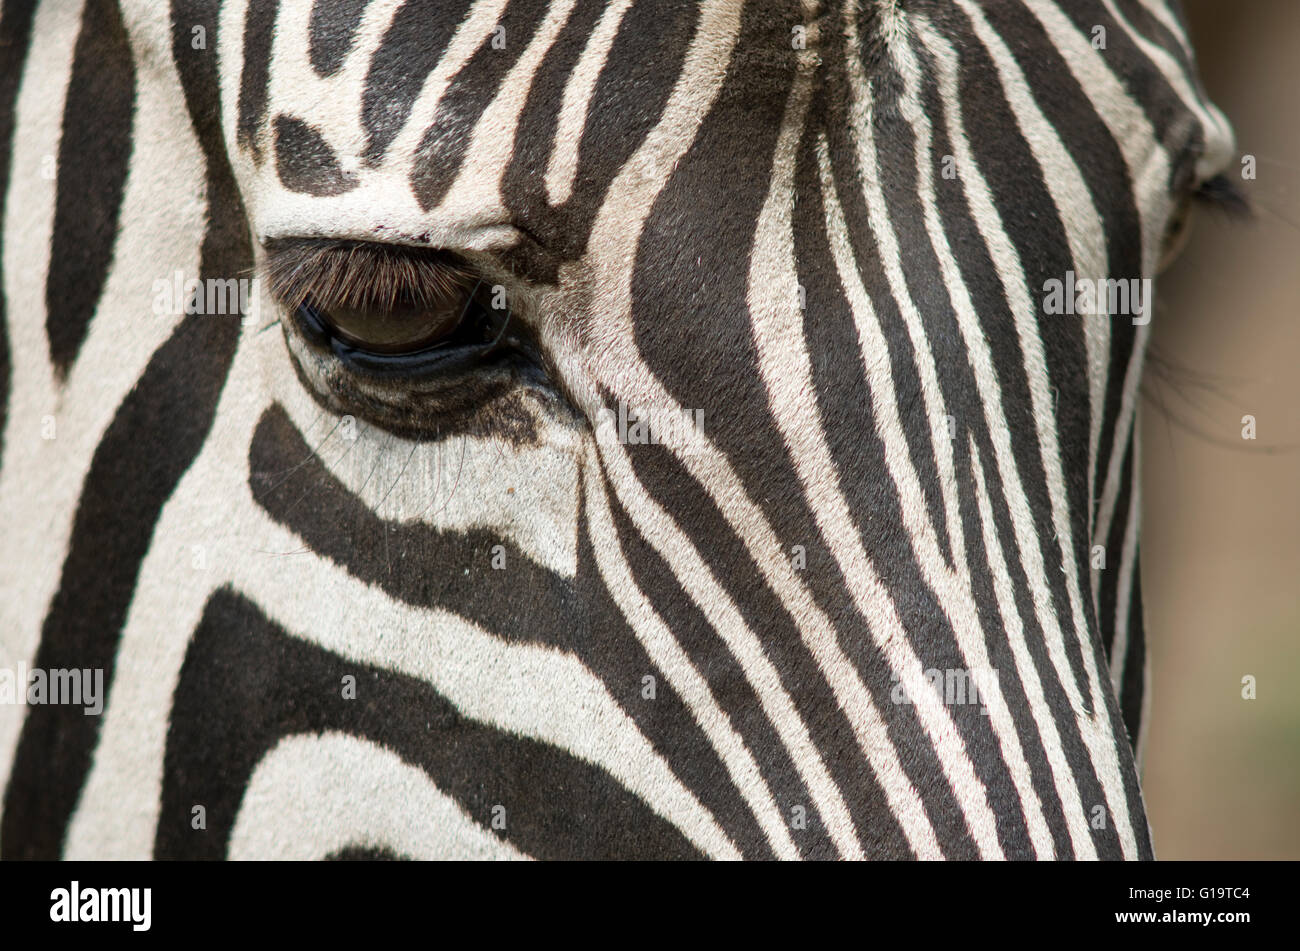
x: 404, y: 326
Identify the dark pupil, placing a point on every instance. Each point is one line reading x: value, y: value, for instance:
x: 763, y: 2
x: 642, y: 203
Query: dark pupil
x: 404, y: 327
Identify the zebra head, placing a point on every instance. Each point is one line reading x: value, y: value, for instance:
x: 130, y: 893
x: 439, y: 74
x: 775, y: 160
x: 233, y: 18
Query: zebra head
x: 657, y: 429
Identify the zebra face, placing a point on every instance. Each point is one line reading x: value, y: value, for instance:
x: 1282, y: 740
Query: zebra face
x: 666, y: 428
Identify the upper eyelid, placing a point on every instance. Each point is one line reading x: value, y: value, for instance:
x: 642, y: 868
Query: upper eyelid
x: 361, y: 274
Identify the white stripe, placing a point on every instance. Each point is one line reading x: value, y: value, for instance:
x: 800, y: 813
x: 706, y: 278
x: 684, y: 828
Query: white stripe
x: 664, y: 649
x: 1088, y: 250
x: 1128, y: 568
x: 311, y: 796
x: 1004, y: 590
x: 787, y: 376
x: 1219, y: 142
x: 951, y: 588
x: 563, y: 164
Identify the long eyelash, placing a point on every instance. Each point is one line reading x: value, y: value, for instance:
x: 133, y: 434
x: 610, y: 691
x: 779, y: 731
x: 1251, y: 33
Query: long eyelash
x: 1223, y: 193
x: 362, y: 276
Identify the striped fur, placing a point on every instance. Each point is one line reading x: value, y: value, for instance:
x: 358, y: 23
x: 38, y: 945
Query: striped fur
x: 691, y: 648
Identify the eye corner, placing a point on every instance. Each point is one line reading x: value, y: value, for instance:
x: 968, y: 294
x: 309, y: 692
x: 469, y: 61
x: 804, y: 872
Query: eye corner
x: 1221, y: 192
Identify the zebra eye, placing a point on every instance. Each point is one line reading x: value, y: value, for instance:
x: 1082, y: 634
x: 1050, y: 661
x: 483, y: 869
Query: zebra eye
x: 402, y: 327
x: 383, y: 300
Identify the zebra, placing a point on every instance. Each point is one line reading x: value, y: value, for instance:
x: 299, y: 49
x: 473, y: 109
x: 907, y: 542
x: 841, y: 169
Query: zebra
x: 559, y: 429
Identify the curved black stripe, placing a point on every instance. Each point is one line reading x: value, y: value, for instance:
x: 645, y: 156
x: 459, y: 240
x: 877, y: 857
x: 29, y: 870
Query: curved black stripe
x: 1105, y: 173
x: 246, y: 684
x: 731, y: 691
x: 962, y: 397
x: 1148, y: 27
x: 523, y: 602
x: 305, y: 162
x: 255, y: 77
x: 764, y: 614
x: 416, y: 39
x: 640, y: 72
x: 521, y: 189
x: 1170, y: 119
x: 849, y: 425
x: 1064, y: 718
x: 332, y: 30
x: 692, y: 326
x: 15, y: 37
x: 170, y: 411
x: 1108, y: 579
x: 1123, y: 339
x: 413, y: 562
x: 1032, y: 221
x: 442, y: 149
x: 94, y: 156
x: 1028, y: 730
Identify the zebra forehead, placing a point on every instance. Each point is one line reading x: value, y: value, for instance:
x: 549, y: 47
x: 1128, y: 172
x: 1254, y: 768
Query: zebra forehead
x: 479, y: 126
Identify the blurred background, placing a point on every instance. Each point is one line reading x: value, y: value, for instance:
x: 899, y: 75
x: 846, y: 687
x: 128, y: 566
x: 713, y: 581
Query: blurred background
x: 1221, y: 523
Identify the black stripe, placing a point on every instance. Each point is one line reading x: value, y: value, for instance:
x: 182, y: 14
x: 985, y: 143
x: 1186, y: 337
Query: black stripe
x: 1003, y: 660
x: 246, y: 684
x: 1065, y: 720
x: 305, y: 162
x: 1171, y: 121
x: 365, y: 853
x: 170, y: 412
x: 1105, y: 173
x: 332, y: 31
x: 1146, y: 26
x: 254, y: 78
x: 397, y: 556
x: 1133, y: 682
x: 846, y: 407
x: 1031, y: 221
x: 94, y: 157
x: 416, y: 39
x: 15, y: 40
x: 442, y: 149
x: 689, y: 751
x: 576, y: 616
x: 644, y: 61
x: 1108, y: 580
x: 764, y: 614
